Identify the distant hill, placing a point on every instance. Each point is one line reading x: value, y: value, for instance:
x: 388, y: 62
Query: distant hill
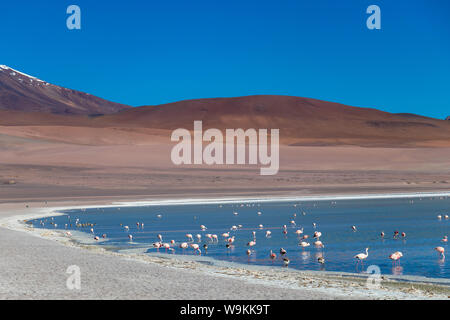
x: 302, y: 121
x: 22, y: 92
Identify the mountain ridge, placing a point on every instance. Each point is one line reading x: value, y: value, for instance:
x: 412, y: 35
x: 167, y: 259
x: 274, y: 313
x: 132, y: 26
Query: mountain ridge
x: 22, y: 92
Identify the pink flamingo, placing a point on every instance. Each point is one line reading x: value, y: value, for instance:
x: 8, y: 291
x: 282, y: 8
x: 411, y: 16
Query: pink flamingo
x: 441, y: 251
x: 251, y: 243
x: 362, y: 256
x: 184, y: 246
x: 396, y: 257
x: 196, y: 248
x: 304, y: 244
x: 319, y: 244
x: 273, y: 256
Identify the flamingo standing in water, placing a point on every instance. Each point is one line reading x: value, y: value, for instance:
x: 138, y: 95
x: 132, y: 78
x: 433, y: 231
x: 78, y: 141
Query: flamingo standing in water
x: 362, y: 256
x: 354, y: 228
x: 282, y: 251
x: 304, y: 244
x: 166, y: 246
x: 268, y: 233
x: 196, y: 248
x: 189, y: 236
x: 230, y: 240
x: 184, y: 245
x: 286, y: 262
x: 444, y: 239
x: 251, y: 243
x: 441, y: 251
x: 382, y: 234
x: 273, y: 256
x: 396, y: 257
x: 319, y: 244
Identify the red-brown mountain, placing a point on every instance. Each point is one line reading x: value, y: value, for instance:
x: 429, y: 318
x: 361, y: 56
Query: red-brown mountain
x: 22, y: 92
x: 301, y: 121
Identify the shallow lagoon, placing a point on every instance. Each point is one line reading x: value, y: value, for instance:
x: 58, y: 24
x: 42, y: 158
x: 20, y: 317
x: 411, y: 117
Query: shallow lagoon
x: 416, y: 217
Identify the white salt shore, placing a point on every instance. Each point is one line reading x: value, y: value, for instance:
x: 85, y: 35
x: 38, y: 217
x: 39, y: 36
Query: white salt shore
x: 33, y: 264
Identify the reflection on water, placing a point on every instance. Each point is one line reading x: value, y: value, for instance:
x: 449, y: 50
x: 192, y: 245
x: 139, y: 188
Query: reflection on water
x: 397, y: 270
x: 416, y: 219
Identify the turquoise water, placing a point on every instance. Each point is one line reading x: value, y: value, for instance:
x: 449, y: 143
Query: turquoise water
x: 416, y: 217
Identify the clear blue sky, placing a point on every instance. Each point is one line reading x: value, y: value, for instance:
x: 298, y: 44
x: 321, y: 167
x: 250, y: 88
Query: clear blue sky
x: 142, y: 52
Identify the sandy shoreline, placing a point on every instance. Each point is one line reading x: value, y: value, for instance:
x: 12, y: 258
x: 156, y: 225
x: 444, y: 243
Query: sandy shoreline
x: 271, y: 283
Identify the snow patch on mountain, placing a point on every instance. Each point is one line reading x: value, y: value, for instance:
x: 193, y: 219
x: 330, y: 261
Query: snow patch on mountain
x: 14, y: 72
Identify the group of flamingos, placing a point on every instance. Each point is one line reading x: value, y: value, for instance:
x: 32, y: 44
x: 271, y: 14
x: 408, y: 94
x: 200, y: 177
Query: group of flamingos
x: 229, y: 240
